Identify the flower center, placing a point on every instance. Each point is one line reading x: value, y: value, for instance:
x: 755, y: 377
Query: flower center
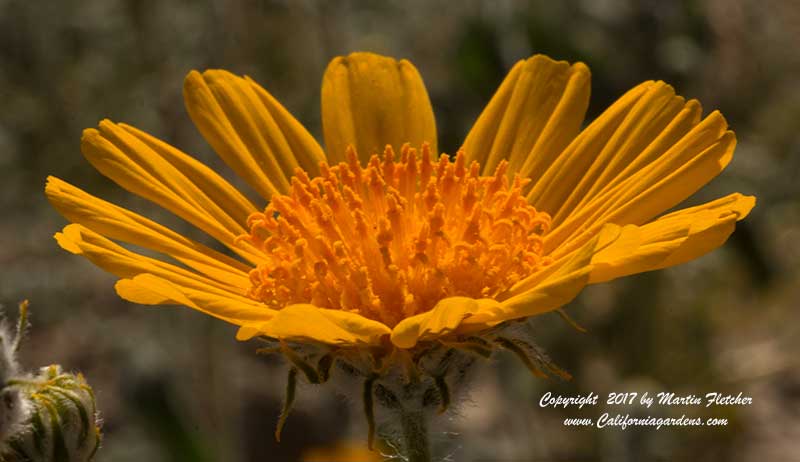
x: 390, y: 240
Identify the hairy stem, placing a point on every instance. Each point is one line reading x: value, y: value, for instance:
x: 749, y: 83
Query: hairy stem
x: 414, y: 430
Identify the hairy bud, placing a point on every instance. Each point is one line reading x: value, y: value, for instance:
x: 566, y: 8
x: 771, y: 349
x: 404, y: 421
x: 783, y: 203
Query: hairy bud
x: 44, y: 417
x: 62, y: 423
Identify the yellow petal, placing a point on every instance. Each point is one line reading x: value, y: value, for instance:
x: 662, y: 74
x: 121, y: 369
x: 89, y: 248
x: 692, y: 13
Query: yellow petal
x: 672, y: 239
x: 210, y: 182
x: 126, y: 264
x: 306, y: 322
x: 552, y: 189
x: 143, y: 170
x: 664, y: 182
x: 302, y: 144
x: 369, y: 101
x: 533, y: 116
x: 671, y: 179
x: 608, y: 234
x: 250, y: 130
x: 117, y: 223
x: 631, y: 255
x: 148, y: 289
x: 443, y: 319
x: 653, y: 123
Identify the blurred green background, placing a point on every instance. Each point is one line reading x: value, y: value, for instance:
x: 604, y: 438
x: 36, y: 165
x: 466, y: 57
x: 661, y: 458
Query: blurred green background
x: 174, y: 385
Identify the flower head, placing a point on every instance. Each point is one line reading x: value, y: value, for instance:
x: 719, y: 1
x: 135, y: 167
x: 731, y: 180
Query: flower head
x: 379, y: 244
x: 392, y: 240
x: 357, y: 245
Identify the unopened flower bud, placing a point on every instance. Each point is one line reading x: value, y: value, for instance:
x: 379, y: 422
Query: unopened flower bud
x: 50, y: 416
x: 62, y: 422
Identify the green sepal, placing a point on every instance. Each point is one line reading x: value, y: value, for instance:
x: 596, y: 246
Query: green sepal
x: 288, y: 400
x: 308, y: 370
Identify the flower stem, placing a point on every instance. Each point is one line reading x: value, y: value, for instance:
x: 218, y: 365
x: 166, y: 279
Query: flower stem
x: 415, y: 436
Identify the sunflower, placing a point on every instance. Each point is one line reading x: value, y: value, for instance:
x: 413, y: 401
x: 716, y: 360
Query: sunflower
x: 378, y: 244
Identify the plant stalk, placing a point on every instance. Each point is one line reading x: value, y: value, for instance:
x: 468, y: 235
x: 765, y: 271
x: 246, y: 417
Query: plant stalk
x: 414, y: 430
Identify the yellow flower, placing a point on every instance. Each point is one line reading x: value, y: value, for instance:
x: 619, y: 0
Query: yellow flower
x: 378, y: 241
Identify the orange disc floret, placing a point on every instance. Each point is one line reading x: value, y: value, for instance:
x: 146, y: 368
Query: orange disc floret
x: 391, y: 239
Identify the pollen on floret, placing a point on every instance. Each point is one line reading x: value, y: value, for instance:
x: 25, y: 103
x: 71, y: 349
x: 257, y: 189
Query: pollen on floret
x: 390, y: 239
